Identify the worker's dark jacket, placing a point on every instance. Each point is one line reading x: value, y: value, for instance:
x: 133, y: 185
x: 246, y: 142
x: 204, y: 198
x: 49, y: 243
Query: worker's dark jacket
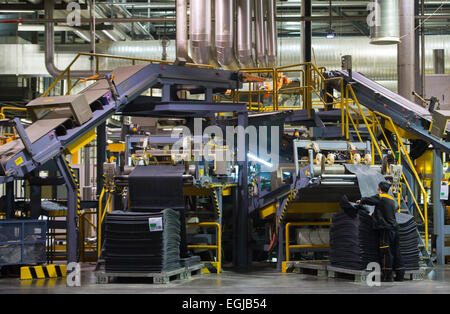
x: 385, y: 209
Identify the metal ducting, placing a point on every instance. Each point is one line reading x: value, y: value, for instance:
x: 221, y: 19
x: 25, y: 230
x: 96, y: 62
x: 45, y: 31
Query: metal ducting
x: 386, y: 23
x: 260, y: 33
x: 182, y: 25
x: 271, y: 33
x: 200, y: 31
x: 406, y: 51
x: 224, y: 33
x: 244, y: 33
x: 49, y: 47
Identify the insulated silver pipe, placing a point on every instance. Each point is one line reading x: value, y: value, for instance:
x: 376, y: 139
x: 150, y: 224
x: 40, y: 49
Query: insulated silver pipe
x: 271, y: 33
x: 224, y: 33
x: 182, y: 29
x: 406, y: 50
x: 200, y: 30
x: 244, y: 33
x: 439, y: 61
x: 260, y: 33
x: 49, y: 46
x: 385, y: 29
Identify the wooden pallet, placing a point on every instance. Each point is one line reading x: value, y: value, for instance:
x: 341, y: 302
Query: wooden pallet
x: 103, y: 277
x: 361, y: 275
x: 316, y: 268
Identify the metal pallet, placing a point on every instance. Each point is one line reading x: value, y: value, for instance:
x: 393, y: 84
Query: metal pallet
x: 361, y: 275
x: 165, y: 277
x: 316, y: 268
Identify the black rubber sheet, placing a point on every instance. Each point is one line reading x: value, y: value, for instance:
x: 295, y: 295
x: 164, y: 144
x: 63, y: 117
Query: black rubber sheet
x: 131, y: 245
x: 354, y: 242
x: 368, y: 179
x: 156, y: 187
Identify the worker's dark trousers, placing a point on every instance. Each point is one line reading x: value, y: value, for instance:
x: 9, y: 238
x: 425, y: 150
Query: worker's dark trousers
x: 390, y: 257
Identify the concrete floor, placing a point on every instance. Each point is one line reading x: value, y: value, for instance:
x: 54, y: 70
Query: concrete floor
x: 265, y: 281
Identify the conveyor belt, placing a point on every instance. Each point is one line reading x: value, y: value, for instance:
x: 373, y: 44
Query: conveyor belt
x: 406, y: 114
x: 44, y: 143
x: 54, y: 119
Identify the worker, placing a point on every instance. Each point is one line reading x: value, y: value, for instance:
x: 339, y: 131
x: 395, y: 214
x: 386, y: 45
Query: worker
x: 387, y: 228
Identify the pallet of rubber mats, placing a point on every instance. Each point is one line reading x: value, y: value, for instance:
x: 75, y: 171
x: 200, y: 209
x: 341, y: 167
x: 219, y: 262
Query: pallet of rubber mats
x: 409, y: 241
x: 353, y: 243
x: 142, y: 242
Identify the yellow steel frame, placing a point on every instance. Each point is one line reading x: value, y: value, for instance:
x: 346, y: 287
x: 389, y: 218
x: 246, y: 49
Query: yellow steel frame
x: 312, y: 82
x: 298, y: 246
x: 6, y: 137
x: 372, y: 126
x: 217, y: 247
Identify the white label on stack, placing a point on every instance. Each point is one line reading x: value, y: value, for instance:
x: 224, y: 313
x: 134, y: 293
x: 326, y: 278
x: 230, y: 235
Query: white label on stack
x: 155, y: 224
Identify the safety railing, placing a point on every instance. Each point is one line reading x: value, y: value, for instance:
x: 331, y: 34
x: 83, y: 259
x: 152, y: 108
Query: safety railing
x: 102, y: 214
x: 302, y: 246
x: 311, y: 82
x: 217, y: 246
x: 373, y: 124
x: 5, y: 137
x: 66, y: 73
x: 403, y: 151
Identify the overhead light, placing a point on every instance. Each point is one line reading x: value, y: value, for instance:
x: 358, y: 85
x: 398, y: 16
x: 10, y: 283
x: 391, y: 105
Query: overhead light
x: 259, y: 160
x: 331, y: 34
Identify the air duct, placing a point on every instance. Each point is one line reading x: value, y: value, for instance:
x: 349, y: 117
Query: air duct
x: 49, y: 47
x: 271, y: 33
x: 406, y: 51
x: 260, y: 33
x: 244, y: 33
x: 182, y: 40
x: 224, y: 33
x: 200, y: 30
x: 385, y: 28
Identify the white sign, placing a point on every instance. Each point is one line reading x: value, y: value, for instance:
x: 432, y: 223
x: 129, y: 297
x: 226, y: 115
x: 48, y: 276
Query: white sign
x: 155, y: 224
x: 444, y: 190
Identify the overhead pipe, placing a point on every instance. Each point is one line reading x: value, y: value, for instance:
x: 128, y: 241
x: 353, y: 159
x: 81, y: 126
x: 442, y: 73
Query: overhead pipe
x: 271, y: 33
x: 406, y: 49
x: 200, y: 30
x: 260, y: 34
x: 385, y: 29
x: 182, y: 27
x: 244, y: 33
x: 224, y: 34
x: 49, y: 47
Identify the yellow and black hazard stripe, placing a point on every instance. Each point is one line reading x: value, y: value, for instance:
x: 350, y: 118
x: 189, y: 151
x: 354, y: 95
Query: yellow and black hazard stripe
x: 42, y: 272
x: 76, y: 183
x: 284, y: 211
x: 216, y: 202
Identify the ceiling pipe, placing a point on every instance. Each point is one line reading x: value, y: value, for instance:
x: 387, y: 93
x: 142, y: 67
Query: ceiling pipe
x: 406, y: 49
x: 271, y: 34
x: 49, y: 47
x: 181, y: 31
x: 200, y: 31
x: 244, y: 33
x: 224, y: 34
x: 260, y: 34
x: 385, y: 29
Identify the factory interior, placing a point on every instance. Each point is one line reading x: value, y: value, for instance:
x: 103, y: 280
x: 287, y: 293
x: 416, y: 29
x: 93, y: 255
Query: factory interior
x: 224, y: 147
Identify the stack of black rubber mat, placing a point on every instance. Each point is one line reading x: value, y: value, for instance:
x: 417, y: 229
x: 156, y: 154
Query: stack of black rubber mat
x: 353, y: 244
x: 409, y: 241
x: 142, y: 242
